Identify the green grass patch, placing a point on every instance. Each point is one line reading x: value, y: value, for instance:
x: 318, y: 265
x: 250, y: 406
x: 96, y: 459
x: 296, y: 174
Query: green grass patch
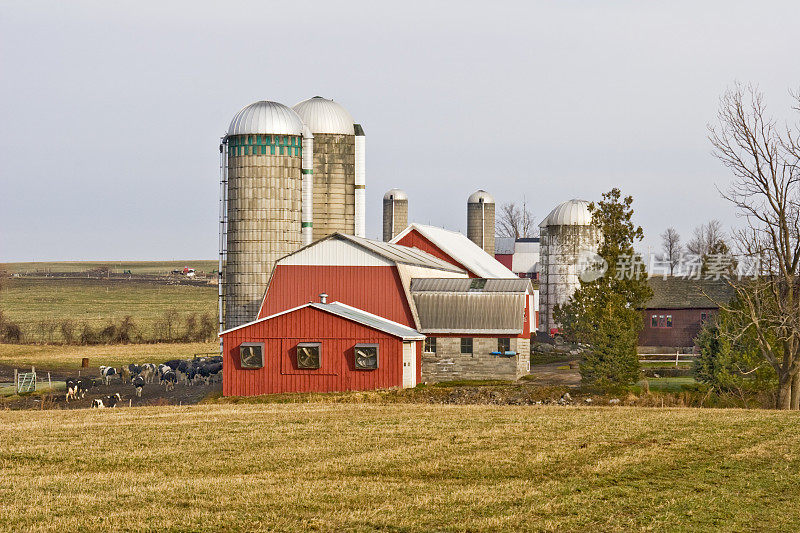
x: 665, y: 384
x: 116, y: 267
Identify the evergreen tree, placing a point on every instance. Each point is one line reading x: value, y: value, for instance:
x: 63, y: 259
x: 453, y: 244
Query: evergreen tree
x: 604, y: 313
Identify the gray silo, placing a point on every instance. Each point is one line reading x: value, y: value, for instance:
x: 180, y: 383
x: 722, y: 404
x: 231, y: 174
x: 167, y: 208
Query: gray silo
x: 565, y: 234
x: 338, y: 167
x: 480, y: 220
x: 261, y: 204
x: 395, y: 213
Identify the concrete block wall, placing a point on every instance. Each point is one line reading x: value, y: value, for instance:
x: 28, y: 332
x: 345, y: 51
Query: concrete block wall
x: 448, y: 363
x: 334, y: 184
x: 264, y: 208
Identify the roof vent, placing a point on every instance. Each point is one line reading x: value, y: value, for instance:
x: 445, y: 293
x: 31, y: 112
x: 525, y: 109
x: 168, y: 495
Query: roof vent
x: 323, y: 297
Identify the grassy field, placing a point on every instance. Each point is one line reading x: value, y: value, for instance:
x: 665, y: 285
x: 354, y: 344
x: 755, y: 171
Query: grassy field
x: 69, y: 357
x: 399, y: 468
x: 136, y: 267
x: 97, y: 302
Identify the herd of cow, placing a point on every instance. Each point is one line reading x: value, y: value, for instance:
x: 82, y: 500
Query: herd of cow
x: 188, y: 371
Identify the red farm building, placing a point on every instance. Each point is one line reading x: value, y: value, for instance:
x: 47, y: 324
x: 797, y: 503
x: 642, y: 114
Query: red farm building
x: 297, y: 344
x: 319, y: 347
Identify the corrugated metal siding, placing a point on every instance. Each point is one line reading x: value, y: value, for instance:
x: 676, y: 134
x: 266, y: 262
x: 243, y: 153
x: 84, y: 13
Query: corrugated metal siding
x: 413, y: 239
x: 377, y: 290
x: 337, y: 373
x: 470, y: 312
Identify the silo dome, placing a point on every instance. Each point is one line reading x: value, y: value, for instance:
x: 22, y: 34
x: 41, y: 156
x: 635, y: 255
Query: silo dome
x: 480, y: 196
x: 325, y: 116
x: 395, y: 194
x: 266, y: 117
x: 571, y: 213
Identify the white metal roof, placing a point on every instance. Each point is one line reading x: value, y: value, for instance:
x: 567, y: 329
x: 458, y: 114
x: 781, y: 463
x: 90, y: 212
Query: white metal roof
x: 461, y: 249
x: 571, y: 213
x: 325, y: 116
x: 266, y: 117
x: 480, y: 196
x: 350, y: 313
x: 396, y: 194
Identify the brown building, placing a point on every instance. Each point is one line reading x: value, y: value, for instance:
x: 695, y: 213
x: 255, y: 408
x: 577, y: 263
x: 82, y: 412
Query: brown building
x: 675, y: 314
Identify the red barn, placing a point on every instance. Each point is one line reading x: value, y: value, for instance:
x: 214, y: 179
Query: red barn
x: 319, y: 347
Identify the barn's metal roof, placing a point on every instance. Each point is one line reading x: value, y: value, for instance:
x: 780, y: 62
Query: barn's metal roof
x: 401, y: 254
x: 266, y: 117
x: 325, y: 116
x: 349, y: 313
x: 570, y: 213
x: 461, y: 249
x: 515, y: 285
x: 685, y: 293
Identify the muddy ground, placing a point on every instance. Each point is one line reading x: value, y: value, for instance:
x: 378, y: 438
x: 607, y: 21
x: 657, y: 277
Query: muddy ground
x: 152, y: 394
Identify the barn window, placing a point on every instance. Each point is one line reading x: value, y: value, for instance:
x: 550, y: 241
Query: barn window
x: 661, y: 321
x: 309, y: 355
x: 251, y: 355
x: 430, y: 345
x: 669, y: 321
x: 477, y: 284
x: 703, y: 317
x: 654, y: 321
x: 503, y: 344
x: 366, y: 356
x: 466, y: 345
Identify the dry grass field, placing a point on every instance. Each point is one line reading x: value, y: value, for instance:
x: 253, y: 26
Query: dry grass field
x: 119, y: 267
x: 54, y: 357
x: 357, y: 467
x: 98, y: 302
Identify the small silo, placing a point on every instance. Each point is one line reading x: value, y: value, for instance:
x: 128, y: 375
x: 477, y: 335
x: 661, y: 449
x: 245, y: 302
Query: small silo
x: 565, y: 234
x: 261, y: 204
x: 338, y: 167
x: 480, y: 220
x: 395, y: 213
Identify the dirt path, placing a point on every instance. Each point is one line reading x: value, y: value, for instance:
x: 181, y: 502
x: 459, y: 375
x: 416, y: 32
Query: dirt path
x: 556, y: 374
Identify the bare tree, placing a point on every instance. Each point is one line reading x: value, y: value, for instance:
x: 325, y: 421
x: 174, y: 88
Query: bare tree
x: 515, y: 221
x: 765, y: 161
x: 705, y: 237
x: 672, y: 248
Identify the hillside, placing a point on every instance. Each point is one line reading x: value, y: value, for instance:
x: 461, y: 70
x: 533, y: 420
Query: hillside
x: 399, y: 467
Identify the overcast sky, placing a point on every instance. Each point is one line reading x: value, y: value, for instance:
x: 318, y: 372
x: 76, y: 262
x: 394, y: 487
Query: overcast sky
x: 111, y: 112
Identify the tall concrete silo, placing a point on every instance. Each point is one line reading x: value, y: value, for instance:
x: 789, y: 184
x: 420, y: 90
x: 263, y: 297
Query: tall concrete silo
x: 261, y: 203
x: 395, y: 213
x: 565, y: 234
x: 480, y: 220
x: 338, y: 168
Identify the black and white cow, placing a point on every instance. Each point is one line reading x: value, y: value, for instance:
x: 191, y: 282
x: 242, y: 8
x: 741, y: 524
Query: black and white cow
x: 107, y: 372
x: 84, y: 384
x: 168, y: 379
x: 138, y: 384
x: 72, y: 390
x: 148, y: 372
x: 113, y: 400
x: 97, y: 403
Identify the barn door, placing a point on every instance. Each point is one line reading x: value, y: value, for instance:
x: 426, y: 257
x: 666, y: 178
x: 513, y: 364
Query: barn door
x: 409, y: 365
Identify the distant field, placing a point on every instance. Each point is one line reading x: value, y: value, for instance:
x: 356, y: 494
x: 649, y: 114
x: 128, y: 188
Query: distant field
x: 399, y: 468
x: 136, y: 267
x: 69, y: 357
x: 29, y: 301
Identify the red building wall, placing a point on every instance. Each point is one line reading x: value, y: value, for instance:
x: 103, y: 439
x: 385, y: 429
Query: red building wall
x: 413, y: 239
x: 505, y: 259
x: 376, y: 289
x: 686, y: 324
x: 338, y: 336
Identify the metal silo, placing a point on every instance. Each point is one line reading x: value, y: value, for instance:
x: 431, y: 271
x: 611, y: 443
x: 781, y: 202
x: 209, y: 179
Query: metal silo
x: 566, y: 234
x: 338, y: 167
x: 395, y: 213
x: 261, y: 203
x: 480, y: 220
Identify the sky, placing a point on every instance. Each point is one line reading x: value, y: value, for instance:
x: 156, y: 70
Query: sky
x: 111, y: 112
